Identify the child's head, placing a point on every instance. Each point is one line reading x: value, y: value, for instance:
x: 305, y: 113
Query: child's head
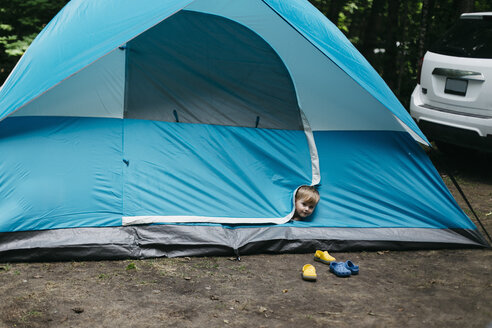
x: 307, y: 197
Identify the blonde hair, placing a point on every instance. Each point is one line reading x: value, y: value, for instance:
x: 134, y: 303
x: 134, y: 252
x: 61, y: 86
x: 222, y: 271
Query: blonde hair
x: 309, y: 194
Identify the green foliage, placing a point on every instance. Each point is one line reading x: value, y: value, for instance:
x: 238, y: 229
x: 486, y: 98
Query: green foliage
x: 14, y: 46
x: 20, y: 22
x: 6, y: 27
x: 131, y: 266
x: 5, y: 268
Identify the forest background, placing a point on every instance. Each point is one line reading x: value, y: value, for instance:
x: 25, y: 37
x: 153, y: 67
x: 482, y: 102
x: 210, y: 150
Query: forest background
x: 392, y: 35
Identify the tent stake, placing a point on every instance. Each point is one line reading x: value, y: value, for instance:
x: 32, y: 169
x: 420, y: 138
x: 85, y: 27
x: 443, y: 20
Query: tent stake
x: 236, y: 252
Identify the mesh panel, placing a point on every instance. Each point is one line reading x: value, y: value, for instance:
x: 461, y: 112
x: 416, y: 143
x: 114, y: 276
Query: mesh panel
x: 202, y: 68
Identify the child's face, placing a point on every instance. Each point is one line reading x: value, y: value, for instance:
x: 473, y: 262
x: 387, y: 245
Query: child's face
x: 304, y: 208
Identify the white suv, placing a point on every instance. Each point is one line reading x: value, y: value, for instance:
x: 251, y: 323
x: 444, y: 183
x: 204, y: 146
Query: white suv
x: 452, y: 102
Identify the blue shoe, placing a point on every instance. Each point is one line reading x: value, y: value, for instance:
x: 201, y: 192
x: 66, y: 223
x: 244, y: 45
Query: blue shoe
x: 339, y: 269
x: 354, y: 269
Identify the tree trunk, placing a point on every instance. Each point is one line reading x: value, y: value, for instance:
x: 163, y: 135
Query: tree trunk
x: 369, y: 37
x: 403, y: 48
x: 334, y: 11
x: 463, y: 6
x: 423, y: 30
x: 390, y: 66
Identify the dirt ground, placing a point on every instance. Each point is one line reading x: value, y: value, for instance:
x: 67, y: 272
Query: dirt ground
x: 436, y: 288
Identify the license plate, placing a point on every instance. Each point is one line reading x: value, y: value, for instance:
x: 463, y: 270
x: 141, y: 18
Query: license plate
x: 456, y: 86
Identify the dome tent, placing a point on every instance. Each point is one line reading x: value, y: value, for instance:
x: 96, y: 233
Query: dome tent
x: 177, y: 128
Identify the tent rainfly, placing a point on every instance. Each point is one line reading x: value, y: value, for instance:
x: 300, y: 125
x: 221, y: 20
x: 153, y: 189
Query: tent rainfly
x: 135, y: 129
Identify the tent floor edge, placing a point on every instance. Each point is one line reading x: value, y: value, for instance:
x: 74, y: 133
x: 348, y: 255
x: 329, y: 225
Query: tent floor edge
x: 154, y: 241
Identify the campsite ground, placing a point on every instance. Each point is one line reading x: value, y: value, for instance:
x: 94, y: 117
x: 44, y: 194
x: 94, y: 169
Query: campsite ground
x: 436, y: 288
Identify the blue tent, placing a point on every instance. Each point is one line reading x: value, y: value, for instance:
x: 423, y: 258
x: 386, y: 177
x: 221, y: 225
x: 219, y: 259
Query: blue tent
x: 179, y: 127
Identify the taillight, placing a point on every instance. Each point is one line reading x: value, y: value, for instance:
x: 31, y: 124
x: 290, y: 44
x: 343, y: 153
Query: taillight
x: 419, y: 69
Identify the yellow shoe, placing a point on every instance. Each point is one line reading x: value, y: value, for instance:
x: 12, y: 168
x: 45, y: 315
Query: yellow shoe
x: 323, y: 257
x: 309, y: 272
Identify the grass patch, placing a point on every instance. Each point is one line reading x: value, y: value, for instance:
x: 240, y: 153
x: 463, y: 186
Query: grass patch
x: 131, y: 266
x: 240, y: 268
x: 206, y: 264
x: 5, y: 268
x: 33, y: 313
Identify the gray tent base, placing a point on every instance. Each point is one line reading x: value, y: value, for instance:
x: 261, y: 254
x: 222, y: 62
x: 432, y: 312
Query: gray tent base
x: 151, y: 241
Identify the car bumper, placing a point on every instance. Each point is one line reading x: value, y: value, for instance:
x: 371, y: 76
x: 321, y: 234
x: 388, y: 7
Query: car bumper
x: 454, y: 127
